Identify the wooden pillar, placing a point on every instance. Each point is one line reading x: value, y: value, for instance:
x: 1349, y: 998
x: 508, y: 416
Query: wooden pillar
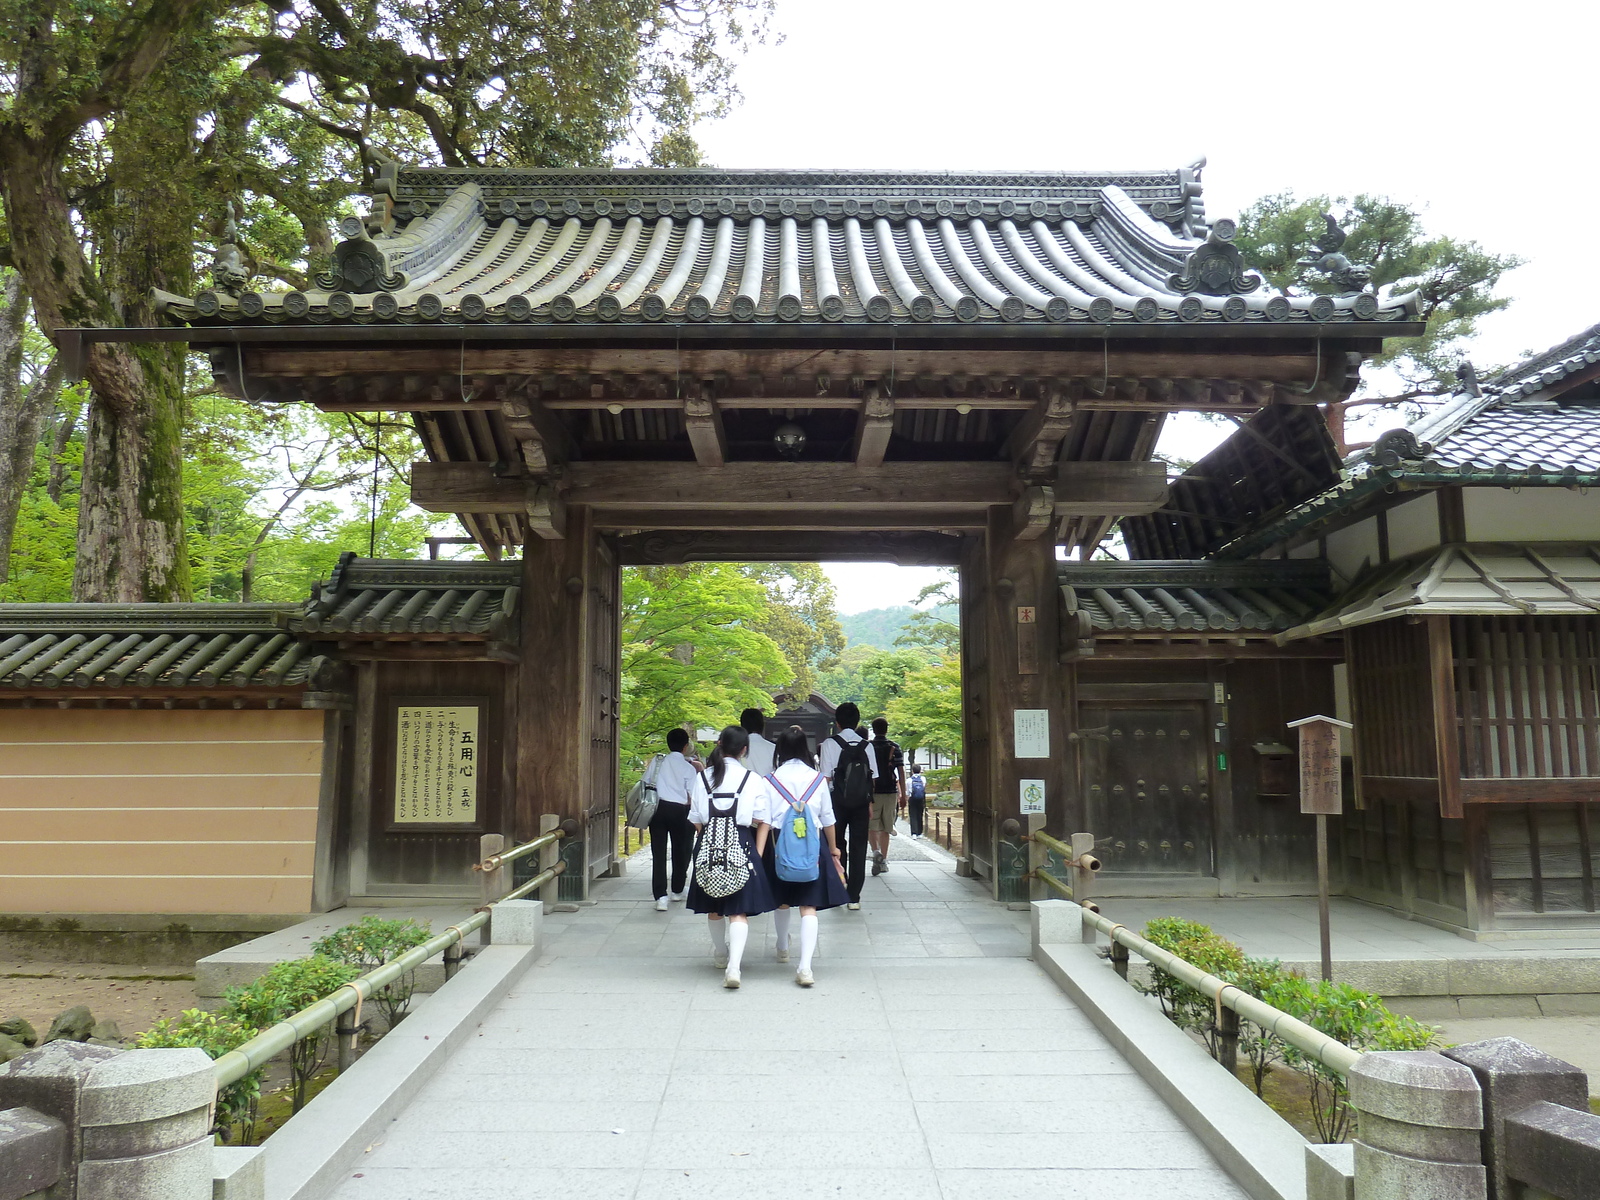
x: 1020, y: 621
x: 553, y: 720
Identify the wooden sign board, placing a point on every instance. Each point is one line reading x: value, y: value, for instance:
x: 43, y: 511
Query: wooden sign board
x: 1320, y: 774
x: 436, y: 758
x: 1027, y: 640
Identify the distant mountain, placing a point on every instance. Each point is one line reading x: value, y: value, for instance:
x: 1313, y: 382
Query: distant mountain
x: 880, y: 626
x: 876, y: 627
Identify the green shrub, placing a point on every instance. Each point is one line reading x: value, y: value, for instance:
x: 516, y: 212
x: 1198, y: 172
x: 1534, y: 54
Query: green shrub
x: 939, y: 777
x: 216, y: 1033
x: 283, y: 991
x: 368, y: 944
x: 1358, y: 1019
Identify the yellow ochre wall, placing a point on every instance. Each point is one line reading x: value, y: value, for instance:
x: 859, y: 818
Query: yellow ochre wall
x: 158, y: 810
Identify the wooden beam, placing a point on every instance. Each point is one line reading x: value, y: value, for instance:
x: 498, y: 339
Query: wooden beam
x: 867, y: 518
x: 1036, y: 441
x: 1574, y: 790
x: 841, y: 363
x: 910, y: 549
x: 1095, y: 489
x: 703, y: 421
x: 873, y: 430
x: 1033, y: 515
x: 1447, y: 737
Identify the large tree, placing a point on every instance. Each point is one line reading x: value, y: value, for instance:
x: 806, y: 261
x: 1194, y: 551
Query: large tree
x: 1455, y: 280
x: 124, y: 124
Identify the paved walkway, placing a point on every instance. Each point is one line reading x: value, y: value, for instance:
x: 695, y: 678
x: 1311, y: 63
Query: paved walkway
x: 932, y: 1060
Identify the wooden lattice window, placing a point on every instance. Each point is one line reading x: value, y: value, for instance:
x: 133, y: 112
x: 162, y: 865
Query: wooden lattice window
x: 1527, y: 696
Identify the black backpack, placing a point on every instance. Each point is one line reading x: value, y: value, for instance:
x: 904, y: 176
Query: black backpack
x: 852, y: 778
x: 886, y: 752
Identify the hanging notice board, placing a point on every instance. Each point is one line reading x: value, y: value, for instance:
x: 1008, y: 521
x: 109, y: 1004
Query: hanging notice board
x: 437, y: 752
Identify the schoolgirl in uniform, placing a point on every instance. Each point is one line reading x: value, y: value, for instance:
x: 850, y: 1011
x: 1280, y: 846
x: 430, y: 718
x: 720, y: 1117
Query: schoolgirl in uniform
x: 793, y: 776
x: 727, y: 785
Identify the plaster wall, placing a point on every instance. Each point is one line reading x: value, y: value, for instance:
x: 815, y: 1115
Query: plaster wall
x: 1414, y: 526
x: 1353, y: 548
x: 1538, y: 514
x: 158, y: 811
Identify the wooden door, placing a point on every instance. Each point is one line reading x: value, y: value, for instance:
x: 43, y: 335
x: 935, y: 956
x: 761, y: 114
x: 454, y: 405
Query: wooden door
x: 605, y: 708
x: 1147, y: 781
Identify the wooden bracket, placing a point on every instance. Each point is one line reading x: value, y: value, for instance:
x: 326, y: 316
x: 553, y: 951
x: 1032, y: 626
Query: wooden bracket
x: 542, y: 437
x: 1034, y: 512
x: 874, y: 429
x: 1037, y: 439
x: 703, y: 421
x: 546, y: 511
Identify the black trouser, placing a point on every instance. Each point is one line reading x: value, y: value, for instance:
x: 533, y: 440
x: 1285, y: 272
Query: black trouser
x: 670, y: 822
x: 850, y: 831
x: 918, y: 804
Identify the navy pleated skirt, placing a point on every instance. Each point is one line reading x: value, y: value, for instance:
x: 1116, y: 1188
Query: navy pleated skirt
x: 827, y: 890
x: 755, y: 897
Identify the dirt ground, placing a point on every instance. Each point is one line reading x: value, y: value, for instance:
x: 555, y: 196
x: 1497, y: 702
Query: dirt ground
x: 134, y: 997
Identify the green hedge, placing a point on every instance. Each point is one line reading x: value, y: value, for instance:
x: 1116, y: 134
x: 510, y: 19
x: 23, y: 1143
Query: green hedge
x: 1358, y: 1019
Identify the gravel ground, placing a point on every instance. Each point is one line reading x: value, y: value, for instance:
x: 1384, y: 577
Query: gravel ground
x: 134, y: 997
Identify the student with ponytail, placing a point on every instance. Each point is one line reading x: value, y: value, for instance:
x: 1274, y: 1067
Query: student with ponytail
x: 798, y: 849
x: 729, y: 809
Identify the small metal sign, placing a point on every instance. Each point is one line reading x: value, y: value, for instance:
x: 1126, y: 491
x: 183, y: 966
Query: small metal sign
x: 1032, y: 796
x: 1320, y: 790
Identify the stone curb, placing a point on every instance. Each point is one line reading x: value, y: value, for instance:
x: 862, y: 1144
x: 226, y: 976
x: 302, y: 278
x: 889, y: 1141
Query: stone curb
x: 1262, y: 1152
x: 311, y: 1155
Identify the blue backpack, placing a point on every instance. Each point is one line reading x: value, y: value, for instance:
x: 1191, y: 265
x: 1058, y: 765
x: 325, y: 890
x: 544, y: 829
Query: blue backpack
x: 799, y: 845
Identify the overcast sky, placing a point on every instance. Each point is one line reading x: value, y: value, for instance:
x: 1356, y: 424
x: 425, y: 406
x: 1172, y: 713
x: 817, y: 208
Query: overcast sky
x: 1483, y: 115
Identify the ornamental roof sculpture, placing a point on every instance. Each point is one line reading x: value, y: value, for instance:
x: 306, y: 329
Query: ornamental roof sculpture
x: 596, y: 247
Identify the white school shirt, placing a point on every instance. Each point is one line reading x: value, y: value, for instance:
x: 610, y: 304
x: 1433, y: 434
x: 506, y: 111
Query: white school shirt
x: 675, y: 779
x: 828, y: 755
x: 760, y: 756
x: 755, y: 800
x: 797, y: 777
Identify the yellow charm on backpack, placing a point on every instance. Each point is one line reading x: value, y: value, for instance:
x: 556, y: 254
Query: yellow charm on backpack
x: 800, y: 827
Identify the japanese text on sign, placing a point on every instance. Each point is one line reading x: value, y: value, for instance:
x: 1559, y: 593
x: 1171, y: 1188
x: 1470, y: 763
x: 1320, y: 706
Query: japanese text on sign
x: 436, y: 766
x: 1030, y: 728
x: 1032, y: 797
x: 1320, y: 771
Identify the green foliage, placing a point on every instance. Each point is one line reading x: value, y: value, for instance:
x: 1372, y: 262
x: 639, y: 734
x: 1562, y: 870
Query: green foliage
x: 927, y: 710
x: 216, y: 1033
x: 283, y: 991
x: 800, y: 618
x: 937, y: 628
x: 1347, y: 1014
x: 1455, y: 280
x: 367, y: 945
x: 692, y: 652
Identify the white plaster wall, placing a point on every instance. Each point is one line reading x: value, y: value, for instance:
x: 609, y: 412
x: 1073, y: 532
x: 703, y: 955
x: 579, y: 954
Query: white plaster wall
x: 1537, y: 514
x: 1414, y: 526
x: 1354, y: 547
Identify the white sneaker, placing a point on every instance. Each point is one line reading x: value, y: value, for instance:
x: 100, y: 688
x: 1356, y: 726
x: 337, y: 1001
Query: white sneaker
x: 720, y: 961
x: 783, y: 954
x: 854, y: 906
x: 661, y: 904
x: 804, y: 977
x: 731, y: 979
x: 679, y: 897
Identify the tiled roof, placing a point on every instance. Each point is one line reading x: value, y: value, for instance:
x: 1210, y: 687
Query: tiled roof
x: 1165, y: 597
x: 1535, y: 424
x: 1474, y: 579
x: 642, y: 246
x: 377, y: 598
x: 151, y: 646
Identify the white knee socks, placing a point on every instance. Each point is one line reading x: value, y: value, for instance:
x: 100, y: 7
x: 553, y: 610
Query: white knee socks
x: 808, y: 940
x: 719, y: 936
x: 737, y: 933
x: 780, y: 927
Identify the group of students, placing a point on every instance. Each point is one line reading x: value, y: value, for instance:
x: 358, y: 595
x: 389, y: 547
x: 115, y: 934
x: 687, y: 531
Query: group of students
x: 770, y: 829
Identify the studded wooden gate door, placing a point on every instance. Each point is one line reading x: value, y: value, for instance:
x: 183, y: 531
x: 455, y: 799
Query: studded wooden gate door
x: 1147, y: 782
x: 604, y: 668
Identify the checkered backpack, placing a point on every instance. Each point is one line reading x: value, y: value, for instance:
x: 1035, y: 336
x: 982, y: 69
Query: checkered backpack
x: 721, y: 867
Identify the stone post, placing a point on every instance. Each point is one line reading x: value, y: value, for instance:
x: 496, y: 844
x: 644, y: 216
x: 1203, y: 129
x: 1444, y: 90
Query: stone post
x: 516, y: 923
x: 1054, y: 922
x: 1419, y: 1117
x: 1512, y: 1076
x: 33, y: 1153
x: 138, y: 1122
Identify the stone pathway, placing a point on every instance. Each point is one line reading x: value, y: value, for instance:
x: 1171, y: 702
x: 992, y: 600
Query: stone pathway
x: 932, y: 1060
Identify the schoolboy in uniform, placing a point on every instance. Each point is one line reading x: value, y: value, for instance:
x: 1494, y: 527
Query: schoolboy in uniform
x: 888, y: 793
x: 761, y: 759
x: 851, y: 829
x: 670, y: 825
